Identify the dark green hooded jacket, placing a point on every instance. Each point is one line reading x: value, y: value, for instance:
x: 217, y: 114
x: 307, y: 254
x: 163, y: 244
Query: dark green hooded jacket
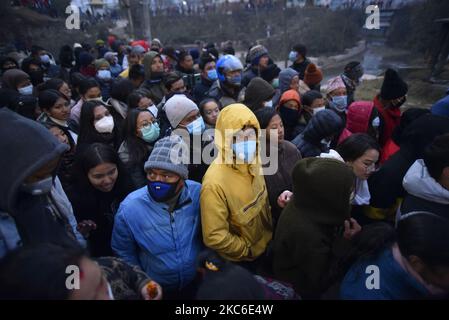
x: 309, y: 229
x: 153, y: 85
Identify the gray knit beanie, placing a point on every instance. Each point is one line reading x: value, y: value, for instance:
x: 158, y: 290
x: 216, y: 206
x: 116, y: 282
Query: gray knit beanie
x: 177, y: 107
x: 169, y: 154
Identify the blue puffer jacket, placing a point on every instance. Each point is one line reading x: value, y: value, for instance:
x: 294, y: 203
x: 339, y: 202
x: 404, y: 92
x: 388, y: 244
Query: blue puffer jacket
x: 165, y: 245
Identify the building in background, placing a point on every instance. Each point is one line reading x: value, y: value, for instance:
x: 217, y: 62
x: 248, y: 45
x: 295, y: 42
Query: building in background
x: 96, y: 6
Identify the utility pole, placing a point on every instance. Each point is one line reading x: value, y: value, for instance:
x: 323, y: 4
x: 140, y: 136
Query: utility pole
x: 127, y: 5
x: 146, y: 19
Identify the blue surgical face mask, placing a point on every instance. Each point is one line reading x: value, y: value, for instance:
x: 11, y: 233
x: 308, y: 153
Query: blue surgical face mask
x: 235, y: 80
x: 104, y: 74
x: 212, y: 75
x: 292, y: 56
x: 45, y: 59
x: 26, y: 91
x: 162, y: 191
x: 339, y: 103
x: 150, y: 133
x: 196, y: 127
x: 245, y: 151
x: 39, y: 187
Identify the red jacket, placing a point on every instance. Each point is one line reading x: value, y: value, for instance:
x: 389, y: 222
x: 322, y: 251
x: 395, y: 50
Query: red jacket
x: 390, y: 119
x: 388, y: 150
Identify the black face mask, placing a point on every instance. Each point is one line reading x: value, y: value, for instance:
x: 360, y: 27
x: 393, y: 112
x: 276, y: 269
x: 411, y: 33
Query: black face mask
x: 289, y: 116
x: 157, y: 75
x: 36, y: 77
x: 398, y: 104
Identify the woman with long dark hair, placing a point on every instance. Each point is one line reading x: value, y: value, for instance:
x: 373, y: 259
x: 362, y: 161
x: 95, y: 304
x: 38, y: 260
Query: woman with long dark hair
x: 98, y: 123
x: 100, y: 183
x: 141, y: 131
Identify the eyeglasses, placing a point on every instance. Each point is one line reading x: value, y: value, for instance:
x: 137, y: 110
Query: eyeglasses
x: 148, y: 124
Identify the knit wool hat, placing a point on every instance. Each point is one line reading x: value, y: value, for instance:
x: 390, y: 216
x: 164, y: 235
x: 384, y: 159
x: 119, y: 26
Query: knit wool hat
x: 256, y: 53
x: 290, y: 95
x: 312, y: 75
x: 258, y: 91
x: 138, y: 50
x: 334, y: 84
x: 168, y: 154
x: 101, y: 63
x: 393, y: 86
x: 177, y: 107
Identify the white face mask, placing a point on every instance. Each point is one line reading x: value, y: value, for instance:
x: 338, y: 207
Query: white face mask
x: 105, y: 125
x: 268, y: 104
x: 26, y: 91
x: 153, y: 110
x: 316, y: 110
x: 100, y: 99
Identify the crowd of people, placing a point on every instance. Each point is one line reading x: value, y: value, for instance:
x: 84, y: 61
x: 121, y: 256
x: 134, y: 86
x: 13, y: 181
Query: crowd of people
x: 141, y: 165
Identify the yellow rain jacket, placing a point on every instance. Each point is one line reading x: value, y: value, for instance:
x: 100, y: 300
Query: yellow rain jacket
x: 235, y: 210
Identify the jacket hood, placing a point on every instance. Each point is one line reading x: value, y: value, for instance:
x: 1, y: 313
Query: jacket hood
x: 26, y: 147
x: 419, y: 183
x: 322, y: 188
x: 147, y: 61
x: 285, y: 78
x: 13, y: 77
x: 322, y: 125
x: 358, y: 116
x: 231, y: 120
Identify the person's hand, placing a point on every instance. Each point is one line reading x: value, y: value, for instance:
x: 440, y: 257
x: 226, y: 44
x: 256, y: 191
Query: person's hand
x: 157, y: 289
x: 85, y: 227
x: 284, y: 198
x: 352, y: 227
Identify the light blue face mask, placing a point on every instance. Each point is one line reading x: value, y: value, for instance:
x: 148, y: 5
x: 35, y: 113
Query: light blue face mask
x: 26, y: 91
x: 212, y: 75
x: 292, y: 56
x: 39, y: 187
x: 150, y: 133
x: 104, y: 74
x: 245, y: 151
x: 197, y: 126
x: 339, y: 103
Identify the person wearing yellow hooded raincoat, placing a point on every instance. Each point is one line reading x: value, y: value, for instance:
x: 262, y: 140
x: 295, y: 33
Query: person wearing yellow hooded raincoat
x: 235, y: 210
